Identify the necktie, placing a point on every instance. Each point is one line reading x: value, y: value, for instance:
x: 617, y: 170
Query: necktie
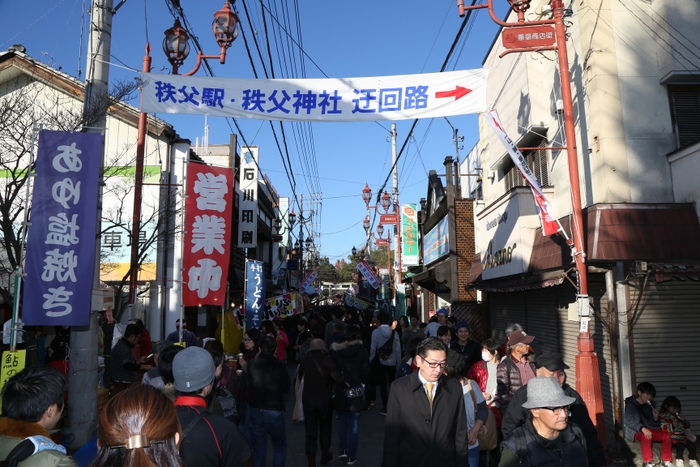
x: 429, y: 393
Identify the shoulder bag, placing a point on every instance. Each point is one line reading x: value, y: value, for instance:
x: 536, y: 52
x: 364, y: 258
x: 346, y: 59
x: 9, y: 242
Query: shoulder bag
x: 487, y: 436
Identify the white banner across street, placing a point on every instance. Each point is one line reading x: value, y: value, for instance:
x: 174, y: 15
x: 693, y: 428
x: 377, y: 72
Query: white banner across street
x: 325, y: 100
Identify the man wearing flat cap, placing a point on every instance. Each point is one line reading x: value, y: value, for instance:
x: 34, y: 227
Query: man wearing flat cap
x: 207, y: 440
x: 550, y: 364
x: 547, y: 439
x: 515, y: 370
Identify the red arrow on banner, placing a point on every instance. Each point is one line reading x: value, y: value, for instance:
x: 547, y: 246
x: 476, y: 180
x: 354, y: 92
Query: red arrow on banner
x: 458, y: 92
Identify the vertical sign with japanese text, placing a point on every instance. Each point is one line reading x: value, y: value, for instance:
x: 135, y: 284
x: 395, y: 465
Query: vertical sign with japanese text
x: 61, y: 244
x: 409, y: 235
x: 248, y: 204
x: 208, y: 223
x: 254, y: 293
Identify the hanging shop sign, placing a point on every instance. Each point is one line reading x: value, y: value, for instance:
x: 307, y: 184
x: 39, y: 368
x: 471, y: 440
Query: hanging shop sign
x: 366, y: 270
x: 402, y: 97
x: 282, y: 306
x: 61, y: 244
x: 248, y: 204
x: 409, y: 235
x: 208, y: 234
x: 436, y: 243
x: 254, y: 293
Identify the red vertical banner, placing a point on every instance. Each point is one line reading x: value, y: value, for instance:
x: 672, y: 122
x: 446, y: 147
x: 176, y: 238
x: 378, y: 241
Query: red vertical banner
x: 208, y: 224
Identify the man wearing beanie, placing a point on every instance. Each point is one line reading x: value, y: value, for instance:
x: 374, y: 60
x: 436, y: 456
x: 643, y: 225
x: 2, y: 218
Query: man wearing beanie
x: 467, y: 348
x: 207, y: 440
x: 547, y: 439
x: 551, y: 364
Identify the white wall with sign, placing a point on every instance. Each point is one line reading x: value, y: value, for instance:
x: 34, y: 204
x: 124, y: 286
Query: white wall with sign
x: 507, y: 233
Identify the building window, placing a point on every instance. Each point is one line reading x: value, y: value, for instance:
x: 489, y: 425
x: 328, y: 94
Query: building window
x: 536, y: 160
x: 685, y: 110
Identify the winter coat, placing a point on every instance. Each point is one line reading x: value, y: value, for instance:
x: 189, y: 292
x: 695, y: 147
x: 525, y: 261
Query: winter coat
x: 351, y: 359
x: 515, y: 416
x: 415, y: 437
x: 471, y: 353
x: 509, y: 380
x: 542, y: 452
x: 319, y: 373
x: 268, y: 381
x: 379, y: 337
x: 638, y: 416
x: 13, y: 432
x: 212, y: 441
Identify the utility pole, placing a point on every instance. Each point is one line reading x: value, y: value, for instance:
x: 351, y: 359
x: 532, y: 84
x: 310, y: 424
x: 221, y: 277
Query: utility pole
x: 82, y: 390
x: 397, y: 206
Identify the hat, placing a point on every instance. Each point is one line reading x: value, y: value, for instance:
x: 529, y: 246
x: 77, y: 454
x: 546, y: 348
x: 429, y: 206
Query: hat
x: 462, y: 324
x: 543, y: 391
x: 551, y: 361
x: 519, y: 337
x: 193, y: 369
x: 317, y: 344
x: 159, y: 346
x: 443, y: 310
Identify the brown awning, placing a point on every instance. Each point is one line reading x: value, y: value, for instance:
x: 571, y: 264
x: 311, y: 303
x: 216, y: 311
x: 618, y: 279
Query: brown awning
x: 666, y: 235
x: 624, y: 232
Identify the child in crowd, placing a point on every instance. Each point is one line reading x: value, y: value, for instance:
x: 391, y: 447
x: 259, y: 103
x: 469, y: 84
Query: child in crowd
x: 673, y: 422
x: 642, y: 424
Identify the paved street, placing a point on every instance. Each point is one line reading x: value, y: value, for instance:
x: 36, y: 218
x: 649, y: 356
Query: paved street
x: 370, y: 446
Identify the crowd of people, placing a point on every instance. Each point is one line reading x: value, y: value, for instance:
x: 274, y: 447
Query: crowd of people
x: 448, y: 400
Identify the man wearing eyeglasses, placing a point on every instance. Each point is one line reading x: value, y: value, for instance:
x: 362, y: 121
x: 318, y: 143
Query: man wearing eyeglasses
x: 551, y: 364
x: 426, y: 421
x: 547, y: 439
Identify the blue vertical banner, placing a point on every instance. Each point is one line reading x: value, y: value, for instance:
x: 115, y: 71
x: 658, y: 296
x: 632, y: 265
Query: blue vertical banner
x: 61, y: 245
x: 254, y: 293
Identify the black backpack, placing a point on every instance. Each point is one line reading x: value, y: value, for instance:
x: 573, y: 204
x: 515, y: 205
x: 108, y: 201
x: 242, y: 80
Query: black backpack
x: 387, y: 349
x: 23, y: 450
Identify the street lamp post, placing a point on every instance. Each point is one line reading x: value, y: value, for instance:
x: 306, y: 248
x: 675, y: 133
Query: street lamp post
x: 176, y: 48
x: 587, y: 368
x: 387, y: 218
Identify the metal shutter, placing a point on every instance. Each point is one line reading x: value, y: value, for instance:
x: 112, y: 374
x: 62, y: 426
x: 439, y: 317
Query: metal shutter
x: 506, y: 308
x: 686, y: 113
x: 542, y: 321
x: 666, y: 342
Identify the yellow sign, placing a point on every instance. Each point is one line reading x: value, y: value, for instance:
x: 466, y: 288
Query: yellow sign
x: 12, y: 363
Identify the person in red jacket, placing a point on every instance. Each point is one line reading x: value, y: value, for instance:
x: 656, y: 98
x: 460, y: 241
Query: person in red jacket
x: 484, y: 372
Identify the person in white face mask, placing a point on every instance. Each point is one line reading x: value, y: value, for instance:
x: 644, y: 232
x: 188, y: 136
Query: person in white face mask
x: 484, y: 373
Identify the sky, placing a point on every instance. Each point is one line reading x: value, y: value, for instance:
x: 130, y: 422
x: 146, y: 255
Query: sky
x: 339, y: 40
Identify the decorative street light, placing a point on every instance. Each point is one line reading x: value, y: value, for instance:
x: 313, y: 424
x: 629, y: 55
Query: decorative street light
x: 387, y: 218
x: 292, y: 218
x: 354, y: 251
x: 278, y: 224
x: 587, y: 367
x: 176, y: 46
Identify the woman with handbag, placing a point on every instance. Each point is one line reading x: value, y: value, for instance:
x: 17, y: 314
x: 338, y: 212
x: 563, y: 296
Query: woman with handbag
x: 352, y: 360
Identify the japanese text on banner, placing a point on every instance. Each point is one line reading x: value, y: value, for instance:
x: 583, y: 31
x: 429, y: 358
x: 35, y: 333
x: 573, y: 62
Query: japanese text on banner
x: 208, y: 234
x: 61, y: 242
x: 348, y: 99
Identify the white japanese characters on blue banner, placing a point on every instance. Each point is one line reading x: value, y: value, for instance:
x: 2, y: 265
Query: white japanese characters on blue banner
x: 340, y: 99
x: 61, y: 244
x: 254, y: 293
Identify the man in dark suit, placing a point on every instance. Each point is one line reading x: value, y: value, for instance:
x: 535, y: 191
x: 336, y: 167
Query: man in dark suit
x: 426, y: 422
